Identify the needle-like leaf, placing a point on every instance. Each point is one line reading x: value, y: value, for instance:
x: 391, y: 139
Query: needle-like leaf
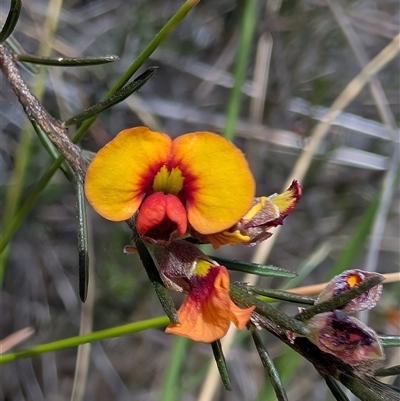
x: 269, y: 367
x: 117, y: 97
x: 83, y: 253
x: 11, y: 21
x: 254, y: 268
x: 221, y: 364
x: 65, y: 61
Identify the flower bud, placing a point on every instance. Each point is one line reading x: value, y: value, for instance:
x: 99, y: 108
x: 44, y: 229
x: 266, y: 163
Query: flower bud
x: 347, y: 280
x: 345, y: 337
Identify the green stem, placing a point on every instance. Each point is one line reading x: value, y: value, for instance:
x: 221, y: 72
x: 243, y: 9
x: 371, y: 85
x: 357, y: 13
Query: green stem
x: 246, y: 38
x: 88, y: 338
x: 173, y: 372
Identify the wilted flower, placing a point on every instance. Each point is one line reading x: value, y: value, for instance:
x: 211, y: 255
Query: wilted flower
x: 208, y: 310
x: 347, y: 280
x: 254, y: 226
x: 345, y: 337
x: 198, y: 178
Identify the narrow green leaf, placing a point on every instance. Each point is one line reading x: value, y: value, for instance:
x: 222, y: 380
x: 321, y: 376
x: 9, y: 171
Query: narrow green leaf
x: 287, y: 363
x: 269, y: 367
x: 83, y: 252
x: 390, y: 341
x: 284, y: 296
x: 336, y: 390
x: 339, y: 300
x: 221, y: 364
x: 117, y: 97
x: 65, y: 61
x: 11, y: 20
x: 254, y: 268
x: 88, y: 338
x: 392, y: 371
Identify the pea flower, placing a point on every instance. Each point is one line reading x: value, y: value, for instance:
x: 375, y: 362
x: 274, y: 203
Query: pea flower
x: 254, y: 226
x: 347, y: 280
x: 199, y: 179
x: 208, y: 310
x: 345, y: 337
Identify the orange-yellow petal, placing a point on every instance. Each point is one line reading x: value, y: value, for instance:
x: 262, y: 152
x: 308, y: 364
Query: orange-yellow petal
x: 123, y: 169
x: 219, y: 185
x: 207, y: 311
x: 227, y: 237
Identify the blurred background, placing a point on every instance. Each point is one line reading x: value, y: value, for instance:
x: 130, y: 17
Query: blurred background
x: 303, y: 55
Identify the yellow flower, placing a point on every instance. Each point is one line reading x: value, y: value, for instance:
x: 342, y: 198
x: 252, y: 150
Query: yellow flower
x: 199, y: 178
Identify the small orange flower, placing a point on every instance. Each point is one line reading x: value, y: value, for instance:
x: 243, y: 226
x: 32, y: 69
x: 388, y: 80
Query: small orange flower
x: 199, y: 178
x: 208, y: 310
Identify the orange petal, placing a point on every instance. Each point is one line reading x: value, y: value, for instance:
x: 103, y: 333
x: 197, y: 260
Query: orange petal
x: 205, y: 313
x: 239, y: 316
x: 218, y: 183
x: 122, y: 171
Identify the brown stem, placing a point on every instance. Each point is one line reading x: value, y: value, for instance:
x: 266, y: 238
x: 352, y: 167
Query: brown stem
x: 34, y: 110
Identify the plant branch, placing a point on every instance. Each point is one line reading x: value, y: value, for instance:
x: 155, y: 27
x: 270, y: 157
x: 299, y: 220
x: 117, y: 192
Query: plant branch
x: 37, y: 114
